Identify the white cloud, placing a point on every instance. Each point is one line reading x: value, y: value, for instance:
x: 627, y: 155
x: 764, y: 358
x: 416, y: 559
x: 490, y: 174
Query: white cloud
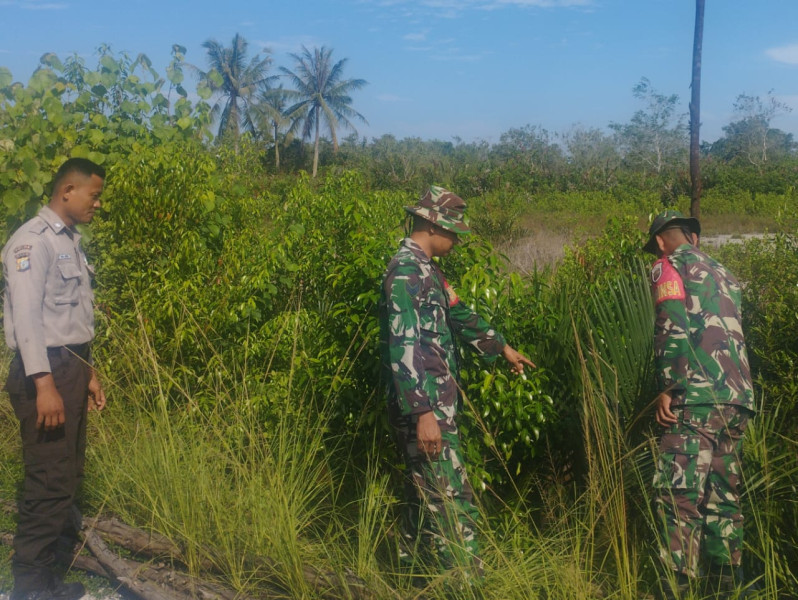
x: 785, y: 54
x: 415, y: 37
x: 36, y: 5
x: 289, y: 45
x: 545, y: 3
x: 450, y: 9
x: 453, y: 57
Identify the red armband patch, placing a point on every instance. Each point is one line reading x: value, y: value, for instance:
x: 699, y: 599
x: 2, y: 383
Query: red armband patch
x: 453, y: 297
x: 666, y: 281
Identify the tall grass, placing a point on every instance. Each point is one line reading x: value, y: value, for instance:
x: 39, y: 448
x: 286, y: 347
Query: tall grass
x: 272, y: 503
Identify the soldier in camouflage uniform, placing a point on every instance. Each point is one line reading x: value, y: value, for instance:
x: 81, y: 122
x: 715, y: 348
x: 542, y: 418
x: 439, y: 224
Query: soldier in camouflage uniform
x: 705, y: 402
x: 420, y: 315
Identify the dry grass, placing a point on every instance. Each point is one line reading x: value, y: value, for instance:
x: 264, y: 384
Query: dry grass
x: 547, y: 235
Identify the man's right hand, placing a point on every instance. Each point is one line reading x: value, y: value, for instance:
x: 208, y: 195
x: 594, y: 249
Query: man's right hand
x: 664, y: 415
x: 49, y: 404
x: 428, y: 435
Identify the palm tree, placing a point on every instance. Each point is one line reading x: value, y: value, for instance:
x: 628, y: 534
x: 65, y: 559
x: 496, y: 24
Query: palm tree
x: 321, y: 94
x: 236, y: 81
x: 271, y: 114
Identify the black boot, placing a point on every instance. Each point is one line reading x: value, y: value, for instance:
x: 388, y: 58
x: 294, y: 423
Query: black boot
x: 56, y: 590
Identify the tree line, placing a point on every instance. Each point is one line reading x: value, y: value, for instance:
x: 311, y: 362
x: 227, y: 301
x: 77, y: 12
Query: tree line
x: 267, y: 115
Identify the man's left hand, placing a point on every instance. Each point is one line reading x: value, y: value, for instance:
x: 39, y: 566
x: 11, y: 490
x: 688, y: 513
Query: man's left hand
x: 516, y: 360
x: 96, y: 393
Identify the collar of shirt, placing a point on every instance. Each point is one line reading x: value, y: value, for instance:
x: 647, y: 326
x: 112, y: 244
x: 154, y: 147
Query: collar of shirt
x: 416, y: 250
x: 55, y: 223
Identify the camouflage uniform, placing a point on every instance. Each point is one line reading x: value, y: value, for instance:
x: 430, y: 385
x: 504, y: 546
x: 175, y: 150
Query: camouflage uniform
x: 419, y: 317
x: 701, y: 360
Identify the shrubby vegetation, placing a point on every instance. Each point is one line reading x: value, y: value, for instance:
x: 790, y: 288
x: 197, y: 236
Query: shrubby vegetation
x: 237, y: 335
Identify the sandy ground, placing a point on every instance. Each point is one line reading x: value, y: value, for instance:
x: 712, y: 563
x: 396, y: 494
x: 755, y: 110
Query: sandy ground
x: 545, y: 249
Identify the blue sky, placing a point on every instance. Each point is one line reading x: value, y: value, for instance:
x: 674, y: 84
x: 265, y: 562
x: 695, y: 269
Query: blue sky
x: 466, y: 68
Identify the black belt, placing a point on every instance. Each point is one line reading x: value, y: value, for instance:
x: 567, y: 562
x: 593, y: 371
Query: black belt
x: 81, y: 350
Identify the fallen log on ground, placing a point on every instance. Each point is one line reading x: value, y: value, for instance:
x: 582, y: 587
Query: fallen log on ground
x: 155, y: 579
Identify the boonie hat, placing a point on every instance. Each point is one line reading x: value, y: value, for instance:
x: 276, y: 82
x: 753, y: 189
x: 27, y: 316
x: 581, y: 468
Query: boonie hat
x: 668, y: 220
x: 444, y: 208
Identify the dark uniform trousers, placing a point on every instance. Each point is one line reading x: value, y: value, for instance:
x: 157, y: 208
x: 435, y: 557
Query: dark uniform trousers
x: 53, y: 463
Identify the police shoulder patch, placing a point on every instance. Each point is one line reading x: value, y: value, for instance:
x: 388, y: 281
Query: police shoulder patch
x: 23, y: 263
x: 668, y: 284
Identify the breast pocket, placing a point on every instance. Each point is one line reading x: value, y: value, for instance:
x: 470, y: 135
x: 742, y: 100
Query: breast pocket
x: 68, y: 288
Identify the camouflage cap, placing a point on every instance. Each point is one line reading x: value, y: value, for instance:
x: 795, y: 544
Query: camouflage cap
x: 442, y: 207
x: 667, y: 220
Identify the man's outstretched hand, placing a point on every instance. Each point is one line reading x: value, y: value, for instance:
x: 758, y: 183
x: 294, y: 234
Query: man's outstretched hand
x: 516, y: 360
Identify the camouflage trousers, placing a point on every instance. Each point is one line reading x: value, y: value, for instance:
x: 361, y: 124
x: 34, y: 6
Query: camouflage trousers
x: 696, y: 484
x: 438, y: 514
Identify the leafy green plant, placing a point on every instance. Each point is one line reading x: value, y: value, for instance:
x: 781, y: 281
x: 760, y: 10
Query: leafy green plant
x: 66, y: 109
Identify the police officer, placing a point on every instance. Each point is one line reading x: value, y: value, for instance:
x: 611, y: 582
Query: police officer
x: 420, y: 314
x: 49, y: 323
x: 704, y: 404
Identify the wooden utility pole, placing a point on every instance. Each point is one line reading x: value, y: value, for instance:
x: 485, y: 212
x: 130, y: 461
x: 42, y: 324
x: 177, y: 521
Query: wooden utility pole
x: 695, y: 113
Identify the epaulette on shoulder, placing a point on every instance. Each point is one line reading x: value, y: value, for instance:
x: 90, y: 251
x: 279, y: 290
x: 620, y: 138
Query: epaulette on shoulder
x: 36, y: 225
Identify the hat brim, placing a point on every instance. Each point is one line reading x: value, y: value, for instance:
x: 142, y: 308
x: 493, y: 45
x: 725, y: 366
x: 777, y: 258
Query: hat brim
x: 691, y: 222
x: 458, y: 227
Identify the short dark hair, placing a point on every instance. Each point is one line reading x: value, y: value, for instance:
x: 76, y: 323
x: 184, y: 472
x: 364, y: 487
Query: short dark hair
x: 683, y: 229
x: 420, y: 223
x: 84, y: 166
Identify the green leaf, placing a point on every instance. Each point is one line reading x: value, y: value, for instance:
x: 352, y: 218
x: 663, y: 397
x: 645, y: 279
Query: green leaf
x: 160, y: 101
x: 109, y: 63
x: 80, y: 151
x: 5, y: 78
x: 92, y: 78
x: 14, y: 200
x: 42, y: 80
x: 143, y: 59
x: 30, y: 168
x: 96, y: 137
x: 128, y: 107
x: 204, y: 90
x: 215, y: 77
x: 51, y: 60
x: 174, y: 74
x: 184, y: 122
x: 54, y: 109
x: 182, y: 91
x: 99, y: 90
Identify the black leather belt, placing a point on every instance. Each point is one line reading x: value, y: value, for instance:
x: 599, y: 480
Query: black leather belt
x: 80, y: 350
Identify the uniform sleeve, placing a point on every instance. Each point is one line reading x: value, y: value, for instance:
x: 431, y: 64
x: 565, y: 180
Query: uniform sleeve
x: 25, y: 265
x: 402, y: 288
x: 473, y: 329
x: 671, y: 328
